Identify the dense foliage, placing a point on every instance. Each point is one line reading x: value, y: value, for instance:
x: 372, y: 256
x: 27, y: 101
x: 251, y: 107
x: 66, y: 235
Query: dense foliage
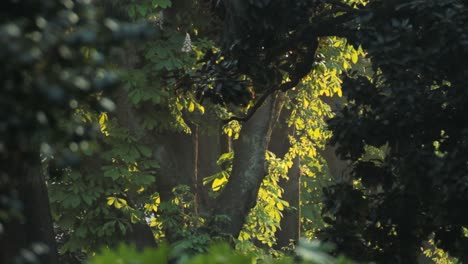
x: 414, y: 107
x: 54, y: 64
x: 217, y: 131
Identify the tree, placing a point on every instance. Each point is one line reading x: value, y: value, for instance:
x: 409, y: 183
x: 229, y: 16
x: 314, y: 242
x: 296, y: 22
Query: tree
x: 191, y: 148
x: 166, y: 130
x: 413, y: 109
x: 161, y: 137
x: 53, y: 65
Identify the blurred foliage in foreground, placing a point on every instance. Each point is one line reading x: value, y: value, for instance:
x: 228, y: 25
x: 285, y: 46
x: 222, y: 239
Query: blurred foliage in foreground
x: 307, y: 252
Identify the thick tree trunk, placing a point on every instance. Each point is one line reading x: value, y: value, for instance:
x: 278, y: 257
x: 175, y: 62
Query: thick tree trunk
x: 34, y: 226
x: 249, y: 168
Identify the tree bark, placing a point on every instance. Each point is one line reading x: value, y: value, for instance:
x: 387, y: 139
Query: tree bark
x: 25, y: 182
x: 249, y: 168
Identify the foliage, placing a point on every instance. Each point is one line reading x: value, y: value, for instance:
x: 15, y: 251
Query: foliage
x: 402, y: 127
x: 126, y: 182
x: 103, y: 203
x: 54, y: 54
x: 56, y: 64
x: 415, y: 105
x: 308, y: 252
x: 99, y: 203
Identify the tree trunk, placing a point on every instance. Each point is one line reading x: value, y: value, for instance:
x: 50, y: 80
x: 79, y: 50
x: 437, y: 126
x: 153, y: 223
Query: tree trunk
x: 249, y: 168
x: 34, y: 226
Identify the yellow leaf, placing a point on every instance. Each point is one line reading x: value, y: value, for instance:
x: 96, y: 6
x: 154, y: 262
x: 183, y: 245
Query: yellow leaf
x: 122, y: 201
x: 339, y: 92
x: 201, y: 108
x: 312, y: 152
x: 191, y: 107
x: 280, y: 206
x: 218, y: 183
x: 345, y: 64
x: 110, y: 200
x: 102, y: 124
x: 354, y: 57
x: 153, y: 223
x: 316, y: 133
x: 299, y: 124
x: 102, y: 119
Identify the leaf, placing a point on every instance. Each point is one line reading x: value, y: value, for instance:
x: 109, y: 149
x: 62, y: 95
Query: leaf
x: 144, y: 179
x: 81, y: 231
x: 122, y: 228
x: 280, y: 206
x: 225, y: 157
x: 146, y: 151
x: 135, y: 96
x: 201, y: 108
x: 74, y: 201
x: 111, y: 200
x: 142, y: 9
x: 218, y: 183
x: 346, y: 64
x: 87, y: 198
x: 112, y: 173
x: 209, y: 179
x: 191, y: 107
x: 354, y: 57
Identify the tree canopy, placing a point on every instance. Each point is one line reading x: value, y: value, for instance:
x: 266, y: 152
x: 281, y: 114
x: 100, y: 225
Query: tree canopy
x: 251, y: 123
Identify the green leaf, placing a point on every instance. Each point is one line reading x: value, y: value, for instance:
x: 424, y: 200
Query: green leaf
x: 225, y: 157
x: 74, y: 200
x: 142, y: 9
x: 112, y: 173
x: 87, y: 198
x: 146, y: 151
x: 144, y: 179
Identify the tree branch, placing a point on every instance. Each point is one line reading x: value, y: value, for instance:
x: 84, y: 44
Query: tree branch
x: 283, y: 87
